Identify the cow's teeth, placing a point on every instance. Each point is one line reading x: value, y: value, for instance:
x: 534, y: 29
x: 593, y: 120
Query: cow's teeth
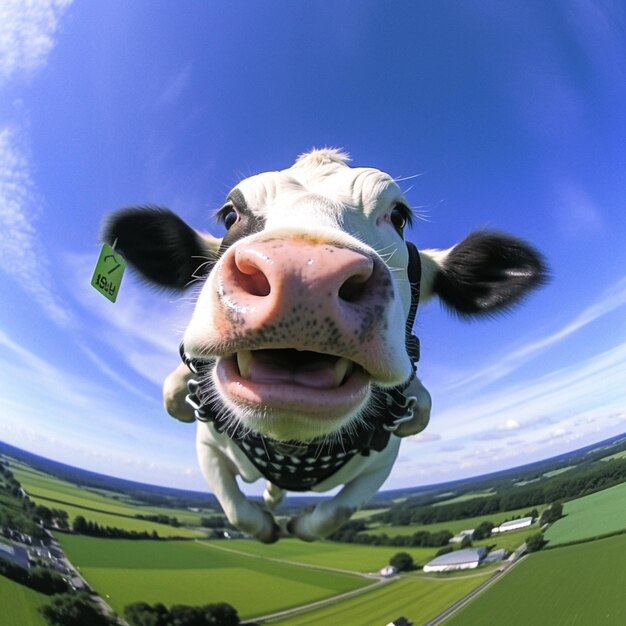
x: 342, y: 368
x: 244, y: 360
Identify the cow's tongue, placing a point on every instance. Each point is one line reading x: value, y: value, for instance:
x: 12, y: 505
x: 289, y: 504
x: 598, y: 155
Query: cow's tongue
x: 317, y: 371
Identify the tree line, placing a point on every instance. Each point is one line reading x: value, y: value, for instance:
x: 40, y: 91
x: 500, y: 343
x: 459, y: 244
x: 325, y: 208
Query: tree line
x: 217, y: 614
x: 40, y: 579
x: 576, y: 483
x: 85, y: 527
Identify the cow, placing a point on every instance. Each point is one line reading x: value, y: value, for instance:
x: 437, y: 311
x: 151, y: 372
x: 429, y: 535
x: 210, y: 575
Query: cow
x: 299, y: 360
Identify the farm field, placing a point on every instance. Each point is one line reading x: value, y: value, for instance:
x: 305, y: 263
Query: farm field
x: 327, y: 554
x: 569, y: 586
x: 466, y: 496
x: 454, y: 526
x: 510, y: 541
x: 52, y: 487
x: 19, y: 604
x: 55, y: 493
x: 187, y: 572
x: 617, y: 455
x: 418, y: 599
x: 596, y: 514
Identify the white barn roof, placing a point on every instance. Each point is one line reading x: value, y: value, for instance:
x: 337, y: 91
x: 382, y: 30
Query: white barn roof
x: 515, y: 523
x: 459, y: 557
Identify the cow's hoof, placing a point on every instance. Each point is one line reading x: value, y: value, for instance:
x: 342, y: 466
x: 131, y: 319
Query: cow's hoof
x: 271, y: 533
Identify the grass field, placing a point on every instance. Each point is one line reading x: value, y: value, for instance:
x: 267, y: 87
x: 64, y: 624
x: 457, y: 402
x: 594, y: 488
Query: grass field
x: 579, y: 585
x: 561, y: 470
x: 52, y: 487
x: 186, y: 572
x: 466, y: 496
x: 325, y: 553
x: 596, y: 514
x: 18, y: 604
x: 617, y: 455
x: 454, y: 526
x: 418, y: 599
x: 55, y: 493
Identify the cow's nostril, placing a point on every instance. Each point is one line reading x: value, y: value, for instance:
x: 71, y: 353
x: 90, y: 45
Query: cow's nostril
x: 354, y: 288
x: 251, y: 279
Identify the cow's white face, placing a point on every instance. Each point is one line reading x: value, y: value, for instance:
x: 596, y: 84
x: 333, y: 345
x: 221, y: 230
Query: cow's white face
x: 305, y: 310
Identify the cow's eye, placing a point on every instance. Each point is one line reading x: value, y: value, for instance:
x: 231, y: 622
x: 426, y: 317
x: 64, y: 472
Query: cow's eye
x: 399, y: 217
x: 229, y: 216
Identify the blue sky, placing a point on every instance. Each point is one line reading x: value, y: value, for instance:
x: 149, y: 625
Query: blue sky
x: 506, y: 115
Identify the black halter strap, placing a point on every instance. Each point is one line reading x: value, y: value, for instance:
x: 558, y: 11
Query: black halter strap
x: 298, y: 466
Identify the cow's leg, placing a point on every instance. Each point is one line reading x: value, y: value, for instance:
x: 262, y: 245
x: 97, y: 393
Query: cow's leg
x: 421, y: 410
x: 329, y: 515
x: 273, y: 495
x: 220, y: 473
x: 174, y: 393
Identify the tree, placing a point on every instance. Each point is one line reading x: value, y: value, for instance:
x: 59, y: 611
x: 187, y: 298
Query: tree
x: 220, y: 614
x: 142, y: 614
x: 466, y: 542
x: 535, y: 542
x: 73, y: 609
x: 551, y: 513
x: 482, y: 531
x: 79, y: 525
x: 402, y: 561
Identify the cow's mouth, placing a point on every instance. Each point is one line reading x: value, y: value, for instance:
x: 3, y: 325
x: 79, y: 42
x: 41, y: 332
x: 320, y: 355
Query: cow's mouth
x: 304, y: 383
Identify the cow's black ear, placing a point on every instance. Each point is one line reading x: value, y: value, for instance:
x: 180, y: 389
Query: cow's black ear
x: 160, y: 245
x: 488, y: 272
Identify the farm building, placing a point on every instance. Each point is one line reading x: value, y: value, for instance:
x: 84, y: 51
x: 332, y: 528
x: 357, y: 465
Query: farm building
x: 496, y: 555
x: 459, y: 559
x: 388, y: 570
x: 514, y: 524
x: 15, y: 554
x: 464, y: 533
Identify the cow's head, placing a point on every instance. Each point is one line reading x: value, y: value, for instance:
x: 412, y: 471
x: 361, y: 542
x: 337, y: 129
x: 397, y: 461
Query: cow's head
x: 304, y: 301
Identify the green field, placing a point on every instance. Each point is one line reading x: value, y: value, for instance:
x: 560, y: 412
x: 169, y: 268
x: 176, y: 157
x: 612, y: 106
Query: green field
x: 579, y: 585
x: 353, y: 557
x: 596, y: 514
x: 466, y: 496
x: 561, y: 470
x: 186, y: 572
x: 617, y: 455
x: 418, y: 599
x: 509, y: 541
x: 18, y: 604
x: 59, y: 494
x: 454, y: 526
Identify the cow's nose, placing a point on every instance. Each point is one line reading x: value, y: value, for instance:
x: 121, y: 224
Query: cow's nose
x: 264, y: 279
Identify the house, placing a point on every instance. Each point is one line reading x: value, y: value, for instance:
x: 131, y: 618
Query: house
x: 388, y: 571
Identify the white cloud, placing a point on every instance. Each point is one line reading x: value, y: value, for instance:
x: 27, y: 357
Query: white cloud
x: 27, y: 29
x: 509, y: 425
x: 142, y: 327
x: 610, y: 300
x: 175, y: 88
x: 21, y: 254
x: 577, y: 214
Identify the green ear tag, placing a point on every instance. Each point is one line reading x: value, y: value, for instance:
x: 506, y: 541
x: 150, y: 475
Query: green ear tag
x: 107, y: 276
